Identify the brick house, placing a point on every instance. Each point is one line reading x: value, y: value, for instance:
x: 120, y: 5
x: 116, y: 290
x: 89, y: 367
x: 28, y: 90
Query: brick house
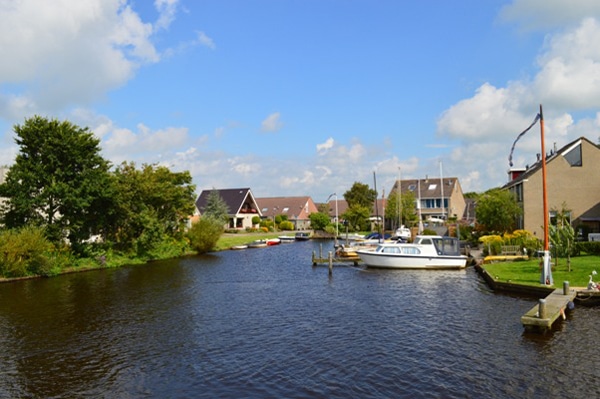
x: 572, y: 182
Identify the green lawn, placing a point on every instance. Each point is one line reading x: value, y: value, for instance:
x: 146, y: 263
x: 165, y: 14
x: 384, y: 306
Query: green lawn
x: 226, y: 241
x: 528, y: 272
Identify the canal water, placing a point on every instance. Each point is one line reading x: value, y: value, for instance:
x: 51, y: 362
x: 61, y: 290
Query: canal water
x: 264, y: 323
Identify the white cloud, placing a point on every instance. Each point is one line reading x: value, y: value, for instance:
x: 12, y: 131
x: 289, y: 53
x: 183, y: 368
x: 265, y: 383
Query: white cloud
x: 272, y: 123
x: 167, y: 10
x: 94, y: 46
x: 567, y: 83
x: 569, y: 76
x: 206, y: 41
x: 324, y: 147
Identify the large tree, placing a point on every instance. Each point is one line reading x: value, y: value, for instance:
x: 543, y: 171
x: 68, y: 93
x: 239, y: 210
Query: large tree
x: 497, y: 211
x: 360, y: 194
x: 59, y: 181
x: 152, y: 203
x: 407, y: 207
x: 360, y: 199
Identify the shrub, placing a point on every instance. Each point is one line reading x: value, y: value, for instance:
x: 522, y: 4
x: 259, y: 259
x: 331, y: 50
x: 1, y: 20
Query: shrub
x: 524, y: 239
x: 492, y: 244
x: 286, y: 225
x: 25, y: 252
x: 204, y: 234
x: 588, y: 247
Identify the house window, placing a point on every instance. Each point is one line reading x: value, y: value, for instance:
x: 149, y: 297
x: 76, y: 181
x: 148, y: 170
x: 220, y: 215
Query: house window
x: 434, y: 203
x: 518, y: 192
x: 432, y: 186
x: 412, y: 187
x: 573, y: 155
x: 264, y: 210
x: 286, y: 209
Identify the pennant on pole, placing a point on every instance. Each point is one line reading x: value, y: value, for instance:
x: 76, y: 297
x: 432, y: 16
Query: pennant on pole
x: 537, y: 118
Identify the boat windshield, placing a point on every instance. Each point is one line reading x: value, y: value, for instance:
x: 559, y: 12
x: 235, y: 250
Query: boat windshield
x: 446, y: 246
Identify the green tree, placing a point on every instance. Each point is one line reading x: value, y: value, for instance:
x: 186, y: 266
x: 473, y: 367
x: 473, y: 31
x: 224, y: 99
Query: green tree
x: 59, y: 181
x: 360, y: 199
x: 153, y: 203
x: 562, y: 235
x: 360, y: 195
x: 407, y: 207
x: 497, y: 211
x: 318, y: 220
x: 358, y: 218
x: 216, y: 207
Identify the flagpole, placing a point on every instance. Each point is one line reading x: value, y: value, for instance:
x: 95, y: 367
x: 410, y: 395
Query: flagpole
x: 545, y: 194
x: 546, y: 277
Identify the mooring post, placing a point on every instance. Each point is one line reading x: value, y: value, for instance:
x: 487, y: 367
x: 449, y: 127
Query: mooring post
x: 320, y: 251
x: 314, y: 260
x: 565, y: 288
x: 330, y: 263
x: 542, y: 308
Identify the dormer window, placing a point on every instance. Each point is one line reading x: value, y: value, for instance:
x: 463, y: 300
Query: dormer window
x: 573, y: 155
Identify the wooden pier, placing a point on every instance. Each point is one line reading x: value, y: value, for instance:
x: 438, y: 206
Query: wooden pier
x: 549, y: 309
x: 318, y: 260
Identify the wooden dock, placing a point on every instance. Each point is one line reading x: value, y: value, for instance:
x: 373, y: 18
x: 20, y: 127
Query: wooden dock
x: 320, y: 260
x: 549, y: 309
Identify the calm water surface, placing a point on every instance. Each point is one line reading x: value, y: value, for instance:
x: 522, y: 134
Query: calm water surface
x: 263, y: 323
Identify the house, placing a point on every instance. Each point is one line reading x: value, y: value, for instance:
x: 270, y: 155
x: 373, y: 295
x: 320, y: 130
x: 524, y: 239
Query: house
x: 572, y: 183
x: 241, y: 206
x: 440, y: 198
x: 341, y: 206
x: 297, y: 209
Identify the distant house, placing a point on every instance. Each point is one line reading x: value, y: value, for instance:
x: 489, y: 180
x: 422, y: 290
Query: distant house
x: 572, y: 181
x: 377, y: 210
x: 440, y: 198
x: 297, y: 209
x: 241, y: 206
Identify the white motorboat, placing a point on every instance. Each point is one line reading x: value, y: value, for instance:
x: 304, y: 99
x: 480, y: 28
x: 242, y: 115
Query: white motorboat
x: 403, y: 233
x: 426, y: 252
x: 287, y: 239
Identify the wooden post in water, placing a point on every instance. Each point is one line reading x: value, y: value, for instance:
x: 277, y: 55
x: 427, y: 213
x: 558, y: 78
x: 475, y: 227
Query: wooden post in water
x: 542, y: 308
x: 314, y: 258
x: 330, y: 263
x: 320, y: 251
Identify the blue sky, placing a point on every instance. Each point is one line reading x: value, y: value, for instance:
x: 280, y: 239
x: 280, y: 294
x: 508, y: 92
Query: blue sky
x: 293, y: 97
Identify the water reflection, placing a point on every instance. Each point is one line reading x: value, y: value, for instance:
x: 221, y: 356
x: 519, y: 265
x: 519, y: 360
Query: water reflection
x: 264, y: 323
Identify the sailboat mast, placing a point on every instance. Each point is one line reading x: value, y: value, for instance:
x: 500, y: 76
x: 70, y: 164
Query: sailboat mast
x: 399, y: 195
x: 376, y: 207
x: 442, y: 187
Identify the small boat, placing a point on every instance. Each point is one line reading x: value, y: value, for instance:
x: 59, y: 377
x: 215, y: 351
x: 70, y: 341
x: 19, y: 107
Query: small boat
x: 287, y: 239
x: 244, y: 246
x: 302, y: 236
x: 273, y: 241
x: 403, y: 233
x: 426, y: 252
x: 257, y: 244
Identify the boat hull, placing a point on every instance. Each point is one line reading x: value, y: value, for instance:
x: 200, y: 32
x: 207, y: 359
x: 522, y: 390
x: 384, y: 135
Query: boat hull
x: 427, y: 252
x: 393, y: 261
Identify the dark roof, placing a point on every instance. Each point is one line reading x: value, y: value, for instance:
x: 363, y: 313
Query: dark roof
x: 530, y: 170
x: 236, y: 199
x: 290, y: 206
x: 430, y: 187
x: 342, y: 206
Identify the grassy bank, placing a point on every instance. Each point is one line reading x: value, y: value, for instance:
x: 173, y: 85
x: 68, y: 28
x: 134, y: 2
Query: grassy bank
x: 229, y: 240
x: 529, y: 272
